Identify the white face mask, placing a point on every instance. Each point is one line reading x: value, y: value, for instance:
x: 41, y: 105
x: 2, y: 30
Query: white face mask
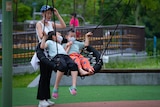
x: 45, y: 20
x: 72, y: 39
x: 59, y: 39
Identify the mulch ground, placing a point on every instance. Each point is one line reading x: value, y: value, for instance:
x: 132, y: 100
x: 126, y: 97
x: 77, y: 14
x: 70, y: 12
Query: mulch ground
x: 149, y: 103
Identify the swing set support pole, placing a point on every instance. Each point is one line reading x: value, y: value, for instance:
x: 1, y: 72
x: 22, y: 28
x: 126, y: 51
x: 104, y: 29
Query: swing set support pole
x: 7, y: 41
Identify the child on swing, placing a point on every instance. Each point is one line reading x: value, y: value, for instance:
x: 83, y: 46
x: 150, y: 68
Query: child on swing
x: 63, y: 61
x: 73, y: 48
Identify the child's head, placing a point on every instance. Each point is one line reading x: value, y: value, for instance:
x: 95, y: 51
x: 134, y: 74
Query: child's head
x: 71, y: 35
x: 51, y: 35
x: 55, y: 36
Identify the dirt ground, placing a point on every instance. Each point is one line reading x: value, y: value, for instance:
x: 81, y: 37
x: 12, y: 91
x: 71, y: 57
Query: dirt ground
x: 149, y: 103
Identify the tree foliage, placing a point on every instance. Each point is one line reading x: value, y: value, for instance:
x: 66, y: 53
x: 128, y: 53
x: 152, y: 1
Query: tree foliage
x: 23, y: 12
x: 140, y: 12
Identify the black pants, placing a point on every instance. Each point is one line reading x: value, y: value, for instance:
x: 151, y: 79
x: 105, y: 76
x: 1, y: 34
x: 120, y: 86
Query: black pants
x: 64, y: 63
x: 44, y: 82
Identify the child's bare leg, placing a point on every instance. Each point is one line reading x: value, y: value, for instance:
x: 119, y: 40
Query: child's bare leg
x: 91, y: 70
x: 86, y: 65
x: 58, y: 79
x: 74, y: 78
x: 83, y: 72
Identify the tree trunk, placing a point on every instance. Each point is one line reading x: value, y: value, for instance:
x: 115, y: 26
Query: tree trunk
x: 84, y: 7
x: 137, y: 12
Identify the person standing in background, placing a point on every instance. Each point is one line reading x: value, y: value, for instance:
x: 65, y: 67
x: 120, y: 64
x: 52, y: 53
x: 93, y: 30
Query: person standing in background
x: 74, y: 22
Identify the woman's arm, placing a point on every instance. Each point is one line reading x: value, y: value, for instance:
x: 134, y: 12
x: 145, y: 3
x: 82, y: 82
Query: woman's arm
x: 43, y: 42
x: 39, y: 30
x: 62, y: 23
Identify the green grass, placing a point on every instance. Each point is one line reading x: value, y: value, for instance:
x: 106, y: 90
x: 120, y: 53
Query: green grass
x: 27, y: 96
x: 150, y: 63
x: 22, y: 80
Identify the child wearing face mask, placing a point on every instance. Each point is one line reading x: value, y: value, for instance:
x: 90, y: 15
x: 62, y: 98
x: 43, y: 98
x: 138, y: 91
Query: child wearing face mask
x: 62, y: 60
x: 73, y: 48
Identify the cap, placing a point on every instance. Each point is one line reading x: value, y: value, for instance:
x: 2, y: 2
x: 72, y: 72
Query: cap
x: 45, y: 8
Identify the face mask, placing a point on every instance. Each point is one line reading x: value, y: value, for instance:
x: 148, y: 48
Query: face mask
x: 59, y: 39
x: 72, y: 39
x: 45, y: 20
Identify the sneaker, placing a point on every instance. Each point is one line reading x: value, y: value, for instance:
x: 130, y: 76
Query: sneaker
x: 50, y: 102
x: 73, y: 90
x: 55, y: 94
x: 43, y: 103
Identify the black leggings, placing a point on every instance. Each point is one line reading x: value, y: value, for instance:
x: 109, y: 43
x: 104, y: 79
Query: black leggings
x: 44, y: 82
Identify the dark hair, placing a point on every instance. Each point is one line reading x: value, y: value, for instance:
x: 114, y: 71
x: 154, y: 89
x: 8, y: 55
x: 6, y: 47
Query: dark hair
x: 71, y: 30
x: 50, y: 34
x: 74, y: 14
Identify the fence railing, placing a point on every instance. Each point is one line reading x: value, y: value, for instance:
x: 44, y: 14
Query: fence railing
x: 124, y: 39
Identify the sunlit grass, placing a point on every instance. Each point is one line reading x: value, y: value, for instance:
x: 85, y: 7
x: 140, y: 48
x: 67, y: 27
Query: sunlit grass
x: 150, y: 63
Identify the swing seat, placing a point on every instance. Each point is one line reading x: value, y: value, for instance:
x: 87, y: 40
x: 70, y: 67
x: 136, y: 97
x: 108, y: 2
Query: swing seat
x: 89, y: 52
x: 94, y: 58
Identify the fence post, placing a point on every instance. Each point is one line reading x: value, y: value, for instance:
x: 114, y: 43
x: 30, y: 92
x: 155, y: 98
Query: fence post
x: 7, y: 40
x: 154, y: 45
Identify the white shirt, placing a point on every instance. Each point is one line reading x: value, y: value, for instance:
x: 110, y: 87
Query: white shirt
x: 47, y: 29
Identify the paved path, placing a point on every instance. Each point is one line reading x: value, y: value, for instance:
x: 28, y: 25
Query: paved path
x: 148, y: 103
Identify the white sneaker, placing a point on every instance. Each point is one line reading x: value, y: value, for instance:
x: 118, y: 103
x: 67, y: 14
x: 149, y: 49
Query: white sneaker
x: 43, y: 103
x: 50, y: 102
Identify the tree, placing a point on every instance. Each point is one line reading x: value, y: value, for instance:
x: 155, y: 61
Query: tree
x: 0, y: 4
x: 113, y: 10
x: 139, y: 12
x: 141, y: 4
x: 24, y: 12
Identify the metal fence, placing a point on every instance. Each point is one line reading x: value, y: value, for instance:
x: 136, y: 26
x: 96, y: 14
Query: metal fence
x: 113, y: 39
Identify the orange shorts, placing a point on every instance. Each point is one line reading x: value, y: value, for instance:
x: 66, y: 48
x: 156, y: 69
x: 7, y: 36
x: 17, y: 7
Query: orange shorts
x: 81, y: 61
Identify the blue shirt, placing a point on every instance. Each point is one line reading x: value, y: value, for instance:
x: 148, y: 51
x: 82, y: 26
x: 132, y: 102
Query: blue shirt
x: 75, y: 47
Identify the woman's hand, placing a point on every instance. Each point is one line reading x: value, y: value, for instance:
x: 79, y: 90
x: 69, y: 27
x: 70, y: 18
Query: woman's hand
x: 56, y: 12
